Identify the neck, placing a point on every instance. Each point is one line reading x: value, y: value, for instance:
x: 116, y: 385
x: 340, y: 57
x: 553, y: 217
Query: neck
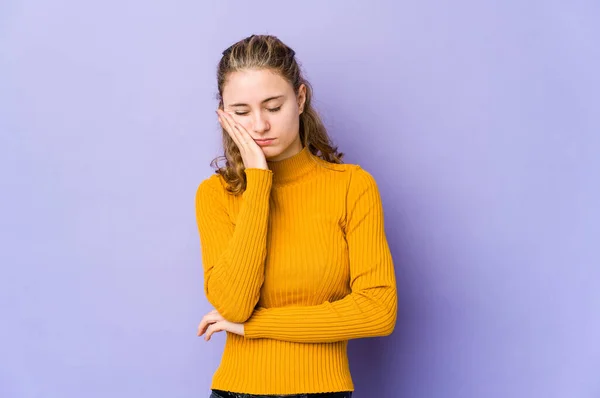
x: 292, y: 168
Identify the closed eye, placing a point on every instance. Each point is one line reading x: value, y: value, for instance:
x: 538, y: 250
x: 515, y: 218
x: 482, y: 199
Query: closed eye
x: 272, y: 110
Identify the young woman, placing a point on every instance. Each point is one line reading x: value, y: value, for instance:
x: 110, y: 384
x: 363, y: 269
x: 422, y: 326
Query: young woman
x: 295, y: 257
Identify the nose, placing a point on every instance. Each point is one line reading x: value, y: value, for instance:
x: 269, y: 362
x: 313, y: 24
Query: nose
x: 260, y: 123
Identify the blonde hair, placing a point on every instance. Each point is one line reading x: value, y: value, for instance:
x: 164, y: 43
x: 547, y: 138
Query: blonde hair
x: 268, y: 52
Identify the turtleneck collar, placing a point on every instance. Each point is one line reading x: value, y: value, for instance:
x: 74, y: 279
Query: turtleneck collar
x: 292, y: 168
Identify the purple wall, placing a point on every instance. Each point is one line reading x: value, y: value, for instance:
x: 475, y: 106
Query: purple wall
x: 480, y: 122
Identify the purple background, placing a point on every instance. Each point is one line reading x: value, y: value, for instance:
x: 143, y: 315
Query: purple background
x: 479, y: 121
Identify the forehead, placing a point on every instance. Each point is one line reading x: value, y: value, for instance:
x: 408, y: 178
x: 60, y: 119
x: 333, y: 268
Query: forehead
x: 253, y: 86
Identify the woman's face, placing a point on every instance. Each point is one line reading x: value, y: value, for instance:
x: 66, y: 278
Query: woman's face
x: 266, y: 105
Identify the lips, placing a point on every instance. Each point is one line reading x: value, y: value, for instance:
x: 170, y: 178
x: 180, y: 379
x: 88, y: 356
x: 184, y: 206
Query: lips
x: 263, y: 143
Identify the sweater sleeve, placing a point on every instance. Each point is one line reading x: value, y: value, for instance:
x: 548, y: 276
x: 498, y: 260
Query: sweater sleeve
x: 370, y: 309
x: 233, y: 255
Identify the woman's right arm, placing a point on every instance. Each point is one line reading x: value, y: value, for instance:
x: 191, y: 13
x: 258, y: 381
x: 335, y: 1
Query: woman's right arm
x: 233, y: 255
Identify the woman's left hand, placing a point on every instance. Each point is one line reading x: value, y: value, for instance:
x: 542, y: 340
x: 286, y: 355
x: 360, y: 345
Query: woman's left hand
x: 214, y: 322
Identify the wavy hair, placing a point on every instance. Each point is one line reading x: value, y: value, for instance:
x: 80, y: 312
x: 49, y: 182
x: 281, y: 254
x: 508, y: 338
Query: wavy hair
x: 268, y: 52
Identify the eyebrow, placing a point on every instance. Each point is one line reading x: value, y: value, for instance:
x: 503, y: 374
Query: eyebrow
x: 266, y: 100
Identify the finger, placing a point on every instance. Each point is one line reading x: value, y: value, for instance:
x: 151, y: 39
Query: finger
x: 204, y: 325
x: 215, y: 327
x: 242, y: 134
x: 228, y: 129
x: 229, y: 125
x: 216, y: 316
x: 207, y: 320
x: 246, y: 137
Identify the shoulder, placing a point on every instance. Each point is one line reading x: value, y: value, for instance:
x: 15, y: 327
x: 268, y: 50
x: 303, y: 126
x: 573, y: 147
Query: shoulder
x: 352, y: 180
x: 362, y: 185
x: 345, y: 171
x: 339, y: 167
x: 211, y: 188
x: 353, y: 174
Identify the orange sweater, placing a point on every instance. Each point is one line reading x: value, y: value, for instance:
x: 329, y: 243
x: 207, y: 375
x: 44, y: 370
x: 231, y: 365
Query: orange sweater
x: 301, y: 258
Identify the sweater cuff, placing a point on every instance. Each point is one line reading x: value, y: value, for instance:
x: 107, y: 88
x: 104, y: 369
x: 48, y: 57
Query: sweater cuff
x: 258, y: 181
x: 252, y: 325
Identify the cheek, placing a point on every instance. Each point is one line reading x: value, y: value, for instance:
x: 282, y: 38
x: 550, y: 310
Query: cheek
x: 246, y: 121
x: 288, y: 119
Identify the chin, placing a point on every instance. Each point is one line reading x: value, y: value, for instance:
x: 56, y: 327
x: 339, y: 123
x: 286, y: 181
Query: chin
x: 269, y: 156
x: 270, y: 152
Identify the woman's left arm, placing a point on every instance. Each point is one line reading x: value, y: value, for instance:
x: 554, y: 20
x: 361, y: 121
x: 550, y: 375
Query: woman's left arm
x: 370, y: 310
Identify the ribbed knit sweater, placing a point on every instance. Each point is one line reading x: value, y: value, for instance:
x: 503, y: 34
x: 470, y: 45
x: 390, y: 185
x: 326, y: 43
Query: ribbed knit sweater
x: 301, y: 258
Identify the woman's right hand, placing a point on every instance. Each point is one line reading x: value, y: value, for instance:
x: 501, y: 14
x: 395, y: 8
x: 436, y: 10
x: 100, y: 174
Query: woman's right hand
x: 252, y: 154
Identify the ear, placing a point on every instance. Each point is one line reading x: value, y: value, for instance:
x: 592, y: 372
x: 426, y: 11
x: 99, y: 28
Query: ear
x: 301, y: 98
